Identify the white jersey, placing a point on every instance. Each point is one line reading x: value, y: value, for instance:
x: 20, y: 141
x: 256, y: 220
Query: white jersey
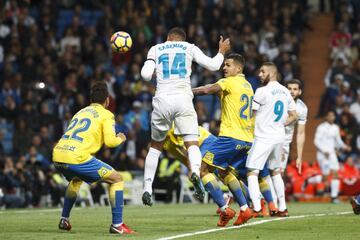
x: 172, y: 61
x: 301, y: 111
x: 272, y: 103
x: 327, y: 138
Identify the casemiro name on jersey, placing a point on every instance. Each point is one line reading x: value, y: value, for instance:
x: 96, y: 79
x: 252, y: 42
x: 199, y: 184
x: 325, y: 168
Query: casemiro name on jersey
x: 172, y: 45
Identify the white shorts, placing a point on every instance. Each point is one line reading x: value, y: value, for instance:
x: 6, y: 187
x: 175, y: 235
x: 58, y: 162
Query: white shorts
x: 327, y: 164
x: 262, y: 151
x: 284, y: 155
x: 177, y: 108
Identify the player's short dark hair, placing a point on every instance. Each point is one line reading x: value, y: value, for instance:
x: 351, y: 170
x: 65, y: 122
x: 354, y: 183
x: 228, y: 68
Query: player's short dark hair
x: 99, y: 92
x: 270, y: 64
x: 295, y: 81
x: 178, y: 32
x: 237, y: 58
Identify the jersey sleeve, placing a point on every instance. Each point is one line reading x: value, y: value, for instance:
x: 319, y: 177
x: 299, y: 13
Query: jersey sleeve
x: 110, y: 138
x: 223, y: 84
x: 291, y: 103
x: 149, y: 65
x: 303, y: 116
x: 259, y: 99
x: 213, y: 64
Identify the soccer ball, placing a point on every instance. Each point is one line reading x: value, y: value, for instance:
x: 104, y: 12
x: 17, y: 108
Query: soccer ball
x: 121, y: 42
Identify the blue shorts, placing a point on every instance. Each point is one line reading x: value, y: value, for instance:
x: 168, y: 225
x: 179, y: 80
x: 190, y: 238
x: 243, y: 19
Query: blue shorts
x: 224, y: 151
x: 90, y: 171
x: 205, y: 146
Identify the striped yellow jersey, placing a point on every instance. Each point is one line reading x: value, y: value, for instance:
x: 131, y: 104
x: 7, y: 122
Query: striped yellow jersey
x: 88, y: 130
x: 236, y: 116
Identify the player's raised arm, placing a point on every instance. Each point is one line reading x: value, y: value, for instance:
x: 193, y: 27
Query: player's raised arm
x: 149, y: 65
x: 110, y: 137
x: 214, y: 63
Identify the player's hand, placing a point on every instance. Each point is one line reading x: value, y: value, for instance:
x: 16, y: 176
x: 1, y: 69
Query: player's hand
x: 299, y: 165
x: 224, y: 45
x: 327, y: 155
x: 347, y: 148
x: 122, y: 136
x: 282, y: 157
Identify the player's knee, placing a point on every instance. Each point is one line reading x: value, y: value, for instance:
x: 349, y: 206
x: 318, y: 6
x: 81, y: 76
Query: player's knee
x: 253, y: 172
x: 275, y: 171
x: 75, y: 184
x: 223, y: 174
x: 114, y: 177
x: 204, y: 170
x: 157, y: 145
x: 191, y: 139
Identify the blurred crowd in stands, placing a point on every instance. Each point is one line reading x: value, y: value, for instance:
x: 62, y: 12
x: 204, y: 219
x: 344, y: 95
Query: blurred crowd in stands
x: 51, y: 52
x: 342, y: 96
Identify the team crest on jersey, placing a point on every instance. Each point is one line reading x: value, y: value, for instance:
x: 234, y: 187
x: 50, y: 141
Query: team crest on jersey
x: 103, y: 171
x: 209, y: 156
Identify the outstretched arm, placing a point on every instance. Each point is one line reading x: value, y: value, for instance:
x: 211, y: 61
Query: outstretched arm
x: 207, y: 89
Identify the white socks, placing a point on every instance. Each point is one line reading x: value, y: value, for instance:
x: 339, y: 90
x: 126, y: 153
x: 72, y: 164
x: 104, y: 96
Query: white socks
x: 254, y: 191
x: 272, y: 190
x: 194, y: 155
x: 280, y: 191
x: 335, y: 184
x: 151, y: 162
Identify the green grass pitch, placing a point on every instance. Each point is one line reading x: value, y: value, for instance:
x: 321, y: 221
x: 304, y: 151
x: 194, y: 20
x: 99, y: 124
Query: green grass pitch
x: 307, y: 221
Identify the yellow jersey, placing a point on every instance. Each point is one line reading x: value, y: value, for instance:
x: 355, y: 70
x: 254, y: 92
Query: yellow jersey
x: 236, y: 116
x: 88, y: 130
x: 174, y: 144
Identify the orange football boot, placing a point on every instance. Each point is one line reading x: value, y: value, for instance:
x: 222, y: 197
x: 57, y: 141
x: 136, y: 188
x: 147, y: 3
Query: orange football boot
x: 122, y: 229
x: 243, y: 217
x: 226, y: 216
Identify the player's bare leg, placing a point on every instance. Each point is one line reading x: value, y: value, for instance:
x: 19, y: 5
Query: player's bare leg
x: 151, y: 163
x: 194, y: 156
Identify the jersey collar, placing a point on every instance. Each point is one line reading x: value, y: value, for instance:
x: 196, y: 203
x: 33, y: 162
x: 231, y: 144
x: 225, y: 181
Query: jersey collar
x: 97, y: 104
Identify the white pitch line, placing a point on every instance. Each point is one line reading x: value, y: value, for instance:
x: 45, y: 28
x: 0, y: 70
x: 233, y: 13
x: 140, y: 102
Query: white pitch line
x: 250, y: 224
